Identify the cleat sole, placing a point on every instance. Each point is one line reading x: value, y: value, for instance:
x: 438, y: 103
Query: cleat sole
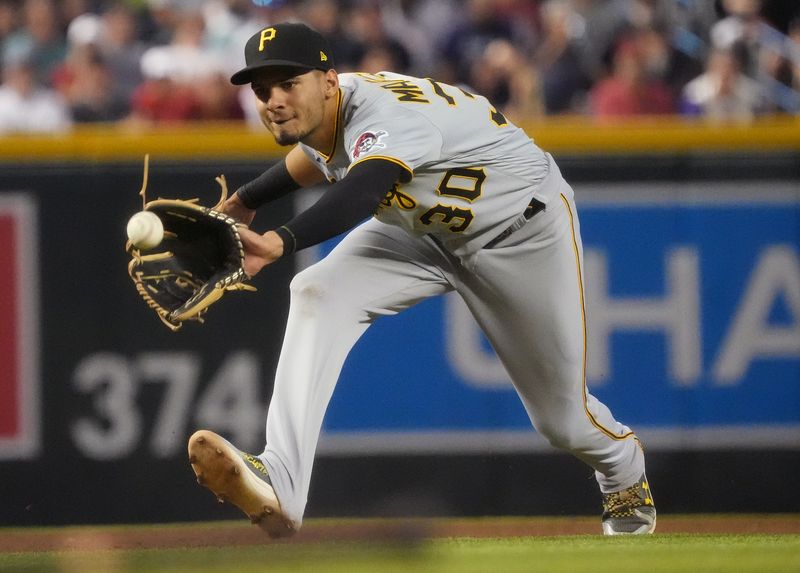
x: 222, y: 470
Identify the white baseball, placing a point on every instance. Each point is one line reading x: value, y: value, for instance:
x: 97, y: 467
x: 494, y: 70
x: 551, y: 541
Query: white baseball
x: 145, y: 230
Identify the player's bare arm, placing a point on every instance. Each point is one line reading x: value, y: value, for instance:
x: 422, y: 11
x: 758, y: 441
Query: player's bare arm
x: 302, y: 169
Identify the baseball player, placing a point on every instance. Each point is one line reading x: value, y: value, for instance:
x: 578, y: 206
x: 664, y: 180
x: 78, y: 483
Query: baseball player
x: 456, y: 198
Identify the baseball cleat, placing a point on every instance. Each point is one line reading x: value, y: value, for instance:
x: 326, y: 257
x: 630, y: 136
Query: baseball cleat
x: 631, y: 511
x: 238, y: 478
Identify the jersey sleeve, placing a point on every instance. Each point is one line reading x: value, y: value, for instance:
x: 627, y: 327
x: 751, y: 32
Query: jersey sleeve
x: 308, y: 151
x: 395, y: 134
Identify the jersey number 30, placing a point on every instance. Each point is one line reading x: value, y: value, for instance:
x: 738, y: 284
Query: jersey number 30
x: 460, y: 182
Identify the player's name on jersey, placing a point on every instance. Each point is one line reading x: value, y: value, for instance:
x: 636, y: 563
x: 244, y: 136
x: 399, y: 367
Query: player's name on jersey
x: 409, y: 91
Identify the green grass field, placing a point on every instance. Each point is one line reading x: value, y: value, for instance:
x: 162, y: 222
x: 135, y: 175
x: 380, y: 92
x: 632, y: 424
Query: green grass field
x: 667, y: 553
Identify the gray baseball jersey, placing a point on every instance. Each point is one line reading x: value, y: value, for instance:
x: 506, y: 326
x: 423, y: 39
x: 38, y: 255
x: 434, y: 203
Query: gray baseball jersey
x: 473, y: 171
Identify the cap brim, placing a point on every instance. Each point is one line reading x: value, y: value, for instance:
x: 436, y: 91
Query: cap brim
x: 245, y: 75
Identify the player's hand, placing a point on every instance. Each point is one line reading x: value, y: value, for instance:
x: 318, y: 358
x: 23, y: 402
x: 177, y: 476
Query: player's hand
x: 259, y: 250
x: 233, y: 207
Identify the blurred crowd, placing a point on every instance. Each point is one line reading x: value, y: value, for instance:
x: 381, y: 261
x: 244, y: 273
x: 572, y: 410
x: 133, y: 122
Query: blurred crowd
x: 144, y: 62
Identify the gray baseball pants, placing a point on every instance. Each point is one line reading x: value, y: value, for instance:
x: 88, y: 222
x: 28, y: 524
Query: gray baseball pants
x: 527, y: 295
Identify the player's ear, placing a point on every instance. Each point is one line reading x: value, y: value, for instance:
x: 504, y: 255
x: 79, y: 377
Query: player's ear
x: 331, y: 80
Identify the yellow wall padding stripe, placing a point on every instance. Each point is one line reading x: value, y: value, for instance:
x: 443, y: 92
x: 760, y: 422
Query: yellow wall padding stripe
x: 592, y: 419
x: 109, y: 143
x: 237, y: 141
x: 663, y: 134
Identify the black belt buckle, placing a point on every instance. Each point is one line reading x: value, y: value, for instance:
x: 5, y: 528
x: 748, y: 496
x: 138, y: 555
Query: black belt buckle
x: 533, y: 207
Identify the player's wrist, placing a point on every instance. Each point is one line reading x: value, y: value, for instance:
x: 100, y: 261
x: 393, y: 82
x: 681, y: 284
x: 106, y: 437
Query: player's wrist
x: 243, y: 196
x: 234, y: 207
x: 287, y: 240
x: 236, y: 199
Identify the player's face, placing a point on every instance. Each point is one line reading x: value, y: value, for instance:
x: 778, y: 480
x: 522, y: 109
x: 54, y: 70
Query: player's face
x: 291, y: 103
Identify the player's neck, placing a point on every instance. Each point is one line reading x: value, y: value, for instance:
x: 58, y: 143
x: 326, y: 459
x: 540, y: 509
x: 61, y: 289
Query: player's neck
x: 324, y: 138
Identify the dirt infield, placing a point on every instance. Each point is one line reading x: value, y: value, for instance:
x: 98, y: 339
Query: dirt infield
x: 227, y: 533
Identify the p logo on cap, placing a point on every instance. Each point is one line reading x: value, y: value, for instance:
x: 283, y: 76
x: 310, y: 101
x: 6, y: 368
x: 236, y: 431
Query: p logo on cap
x: 267, y: 35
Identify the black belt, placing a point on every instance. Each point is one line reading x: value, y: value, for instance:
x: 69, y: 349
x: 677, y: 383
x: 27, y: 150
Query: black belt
x: 533, y: 207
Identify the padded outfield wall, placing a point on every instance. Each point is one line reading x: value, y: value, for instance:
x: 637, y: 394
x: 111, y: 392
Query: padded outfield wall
x: 692, y: 255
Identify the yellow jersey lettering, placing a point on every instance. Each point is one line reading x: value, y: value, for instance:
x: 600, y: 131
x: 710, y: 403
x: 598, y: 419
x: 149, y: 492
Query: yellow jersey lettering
x: 412, y: 94
x: 398, y: 198
x: 372, y: 78
x: 403, y: 89
x: 439, y: 91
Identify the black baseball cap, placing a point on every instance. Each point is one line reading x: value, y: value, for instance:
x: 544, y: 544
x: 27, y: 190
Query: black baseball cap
x: 287, y: 44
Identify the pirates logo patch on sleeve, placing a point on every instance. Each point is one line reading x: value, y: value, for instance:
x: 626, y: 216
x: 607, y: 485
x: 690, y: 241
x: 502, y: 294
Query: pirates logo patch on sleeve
x: 367, y: 141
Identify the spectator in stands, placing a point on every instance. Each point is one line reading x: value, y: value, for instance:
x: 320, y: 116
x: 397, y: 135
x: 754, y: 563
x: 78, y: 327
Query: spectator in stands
x: 121, y: 48
x: 325, y: 17
x: 690, y: 23
x: 160, y: 98
x: 81, y: 31
x: 378, y: 59
x: 628, y: 91
x: 664, y: 63
x: 467, y: 42
x: 610, y: 21
x: 753, y: 41
x: 40, y: 37
x: 8, y: 20
x: 89, y: 89
x: 741, y: 26
x: 425, y: 24
x: 723, y: 92
x: 218, y: 100
x: 504, y: 75
x: 190, y: 60
x: 365, y: 26
x: 26, y: 105
x: 68, y: 10
x: 221, y: 21
x: 563, y: 82
x: 185, y: 81
x: 159, y: 22
x: 83, y: 79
